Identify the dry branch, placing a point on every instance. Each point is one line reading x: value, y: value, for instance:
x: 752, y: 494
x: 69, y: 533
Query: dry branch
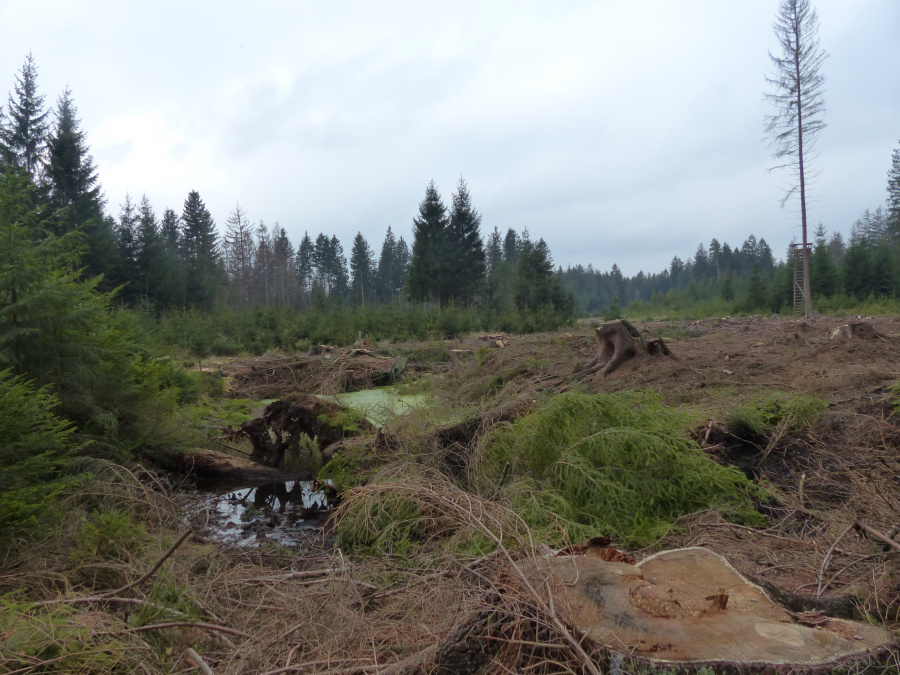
x: 184, y: 535
x: 198, y: 662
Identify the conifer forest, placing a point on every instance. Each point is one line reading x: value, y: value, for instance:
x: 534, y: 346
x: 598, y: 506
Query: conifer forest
x: 232, y: 447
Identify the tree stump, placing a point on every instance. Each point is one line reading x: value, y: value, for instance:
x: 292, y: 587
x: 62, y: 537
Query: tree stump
x: 688, y: 608
x: 856, y: 329
x: 619, y: 341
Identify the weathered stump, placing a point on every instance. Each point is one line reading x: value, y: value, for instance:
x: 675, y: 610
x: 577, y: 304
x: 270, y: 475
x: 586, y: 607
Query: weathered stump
x: 619, y: 341
x: 856, y: 330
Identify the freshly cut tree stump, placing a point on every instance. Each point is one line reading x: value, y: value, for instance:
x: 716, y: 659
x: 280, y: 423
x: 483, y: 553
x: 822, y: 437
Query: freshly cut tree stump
x: 690, y: 608
x: 619, y: 341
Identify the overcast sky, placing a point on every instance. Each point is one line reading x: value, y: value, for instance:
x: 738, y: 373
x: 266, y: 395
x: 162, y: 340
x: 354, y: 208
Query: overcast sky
x: 620, y: 132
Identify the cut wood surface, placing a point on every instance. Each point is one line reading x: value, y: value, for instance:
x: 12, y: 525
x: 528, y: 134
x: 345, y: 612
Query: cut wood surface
x: 668, y: 609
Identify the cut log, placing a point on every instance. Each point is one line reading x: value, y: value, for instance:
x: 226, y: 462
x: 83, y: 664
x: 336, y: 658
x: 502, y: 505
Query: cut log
x: 210, y: 464
x: 619, y: 341
x: 452, y: 441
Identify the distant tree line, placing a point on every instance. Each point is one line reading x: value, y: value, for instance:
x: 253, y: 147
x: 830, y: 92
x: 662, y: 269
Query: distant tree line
x: 181, y: 260
x: 749, y: 279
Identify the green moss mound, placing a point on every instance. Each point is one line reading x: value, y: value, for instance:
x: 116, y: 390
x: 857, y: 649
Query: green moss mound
x: 617, y: 464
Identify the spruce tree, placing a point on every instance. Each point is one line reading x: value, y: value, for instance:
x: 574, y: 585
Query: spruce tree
x: 338, y: 269
x: 151, y: 268
x: 73, y: 189
x: 263, y: 268
x: 200, y: 243
x: 800, y: 105
x: 757, y: 297
x: 881, y: 273
x: 494, y: 251
x: 282, y: 266
x: 856, y: 268
x: 305, y: 269
x: 362, y: 272
x: 893, y: 202
x: 715, y: 257
x: 822, y: 267
x: 402, y: 259
x: 426, y: 269
x: 170, y: 229
x: 24, y: 132
x: 536, y: 287
x: 126, y: 273
x: 384, y: 275
x: 464, y: 258
x: 511, y: 247
x: 71, y: 176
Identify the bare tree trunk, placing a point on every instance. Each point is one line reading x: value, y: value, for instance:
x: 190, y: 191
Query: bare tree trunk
x: 807, y: 292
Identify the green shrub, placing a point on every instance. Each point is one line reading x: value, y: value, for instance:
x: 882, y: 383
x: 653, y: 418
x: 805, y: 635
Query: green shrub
x: 34, y: 454
x: 618, y: 465
x: 110, y: 534
x: 755, y: 419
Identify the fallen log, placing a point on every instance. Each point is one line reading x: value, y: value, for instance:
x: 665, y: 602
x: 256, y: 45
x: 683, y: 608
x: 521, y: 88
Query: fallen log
x: 453, y: 441
x: 619, y: 341
x: 210, y: 464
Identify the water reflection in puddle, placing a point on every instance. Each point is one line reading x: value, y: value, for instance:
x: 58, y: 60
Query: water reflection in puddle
x: 288, y: 513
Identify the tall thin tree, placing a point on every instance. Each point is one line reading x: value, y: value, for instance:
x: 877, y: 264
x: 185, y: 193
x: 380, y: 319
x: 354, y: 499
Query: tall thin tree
x: 799, y: 105
x: 893, y: 189
x: 24, y: 134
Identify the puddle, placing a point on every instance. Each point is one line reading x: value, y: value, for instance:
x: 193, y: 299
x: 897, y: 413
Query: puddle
x: 380, y: 404
x: 290, y: 513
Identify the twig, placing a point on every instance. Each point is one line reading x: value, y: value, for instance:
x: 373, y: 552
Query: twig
x: 827, y: 558
x: 105, y: 598
x: 199, y: 662
x: 182, y: 624
x: 43, y: 664
x: 312, y: 664
x: 847, y: 567
x: 184, y: 535
x: 876, y: 534
x: 289, y: 575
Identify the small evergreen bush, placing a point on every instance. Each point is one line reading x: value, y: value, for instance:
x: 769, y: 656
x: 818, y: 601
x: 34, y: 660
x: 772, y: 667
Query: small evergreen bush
x: 617, y: 465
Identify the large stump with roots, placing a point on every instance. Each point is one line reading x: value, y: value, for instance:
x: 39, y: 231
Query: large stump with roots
x: 285, y: 422
x: 619, y: 341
